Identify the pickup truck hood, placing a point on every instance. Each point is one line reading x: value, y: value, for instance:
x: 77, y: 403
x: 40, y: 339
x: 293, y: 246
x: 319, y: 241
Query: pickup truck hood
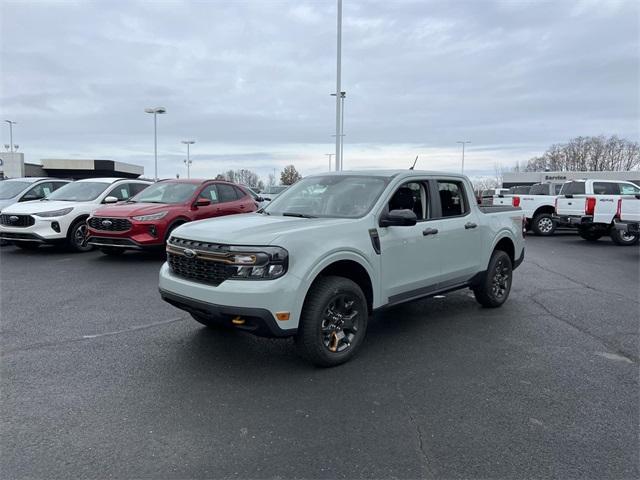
x: 251, y: 228
x: 37, y: 206
x: 131, y: 209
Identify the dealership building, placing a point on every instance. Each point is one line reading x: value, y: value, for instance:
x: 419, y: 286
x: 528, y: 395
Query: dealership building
x: 513, y: 179
x: 12, y: 165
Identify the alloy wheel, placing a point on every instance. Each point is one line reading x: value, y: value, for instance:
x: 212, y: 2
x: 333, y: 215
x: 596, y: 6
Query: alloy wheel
x: 340, y: 322
x: 500, y: 280
x: 545, y: 225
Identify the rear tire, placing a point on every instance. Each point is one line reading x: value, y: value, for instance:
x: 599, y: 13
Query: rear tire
x: 333, y: 321
x: 27, y: 245
x: 112, y: 251
x: 543, y: 225
x: 623, y: 238
x: 77, y: 237
x: 494, y: 288
x: 589, y: 234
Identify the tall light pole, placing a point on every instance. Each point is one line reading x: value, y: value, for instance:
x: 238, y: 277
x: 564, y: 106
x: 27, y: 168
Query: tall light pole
x: 338, y: 88
x: 11, y: 124
x: 463, y: 144
x: 329, y: 155
x: 188, y: 161
x: 156, y: 111
x: 342, y: 97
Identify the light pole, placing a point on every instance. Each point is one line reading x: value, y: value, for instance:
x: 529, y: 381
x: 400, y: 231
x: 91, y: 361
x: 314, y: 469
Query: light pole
x: 11, y: 124
x: 338, y: 88
x: 156, y: 111
x: 342, y: 97
x: 463, y: 144
x: 188, y: 161
x: 329, y: 155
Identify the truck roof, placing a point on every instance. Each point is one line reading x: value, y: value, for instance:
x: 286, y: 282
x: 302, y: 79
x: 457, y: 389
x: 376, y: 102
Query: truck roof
x: 393, y: 173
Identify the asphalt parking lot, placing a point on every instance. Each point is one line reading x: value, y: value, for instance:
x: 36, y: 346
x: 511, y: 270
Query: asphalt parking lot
x: 101, y: 379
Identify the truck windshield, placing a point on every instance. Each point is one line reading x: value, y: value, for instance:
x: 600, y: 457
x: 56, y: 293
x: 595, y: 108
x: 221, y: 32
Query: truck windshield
x: 11, y: 189
x: 338, y: 196
x: 166, y: 192
x: 79, y: 191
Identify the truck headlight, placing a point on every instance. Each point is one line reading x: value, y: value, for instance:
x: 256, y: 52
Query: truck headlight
x: 150, y: 217
x: 54, y: 213
x: 258, y: 263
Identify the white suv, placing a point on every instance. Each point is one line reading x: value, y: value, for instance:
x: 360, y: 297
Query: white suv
x: 61, y: 216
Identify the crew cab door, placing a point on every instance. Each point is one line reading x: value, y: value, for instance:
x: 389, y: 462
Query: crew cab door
x: 460, y: 231
x: 410, y: 255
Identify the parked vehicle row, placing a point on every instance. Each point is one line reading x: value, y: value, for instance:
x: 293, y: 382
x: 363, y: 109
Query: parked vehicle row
x: 591, y: 206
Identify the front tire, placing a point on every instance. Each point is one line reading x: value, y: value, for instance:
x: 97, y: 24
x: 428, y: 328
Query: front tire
x: 494, y: 288
x: 333, y: 322
x: 543, y: 225
x: 77, y: 237
x: 623, y: 239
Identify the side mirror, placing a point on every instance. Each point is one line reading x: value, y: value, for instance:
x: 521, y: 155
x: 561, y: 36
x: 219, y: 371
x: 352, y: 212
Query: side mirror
x: 398, y: 218
x: 110, y: 199
x: 202, y: 202
x: 266, y: 199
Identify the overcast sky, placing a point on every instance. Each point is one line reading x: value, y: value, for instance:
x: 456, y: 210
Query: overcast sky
x: 250, y: 80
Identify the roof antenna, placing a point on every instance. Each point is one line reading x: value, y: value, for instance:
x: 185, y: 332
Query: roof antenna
x: 414, y: 163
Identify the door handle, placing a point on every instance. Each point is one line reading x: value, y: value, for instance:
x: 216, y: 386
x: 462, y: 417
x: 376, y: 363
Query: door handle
x: 429, y: 231
x: 242, y: 207
x: 469, y: 225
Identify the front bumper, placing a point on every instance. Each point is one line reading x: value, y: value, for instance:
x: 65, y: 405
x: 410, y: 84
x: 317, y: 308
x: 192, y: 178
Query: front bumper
x: 140, y: 235
x: 255, y: 301
x: 632, y: 228
x: 42, y: 231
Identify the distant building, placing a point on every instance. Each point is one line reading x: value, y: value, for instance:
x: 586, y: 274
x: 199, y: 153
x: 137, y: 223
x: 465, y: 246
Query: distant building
x: 513, y: 179
x: 13, y: 165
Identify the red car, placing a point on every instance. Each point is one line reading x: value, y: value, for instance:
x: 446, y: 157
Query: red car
x: 147, y: 219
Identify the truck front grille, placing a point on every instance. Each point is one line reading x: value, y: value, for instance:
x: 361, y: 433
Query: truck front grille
x: 17, y: 220
x: 198, y: 270
x: 109, y: 224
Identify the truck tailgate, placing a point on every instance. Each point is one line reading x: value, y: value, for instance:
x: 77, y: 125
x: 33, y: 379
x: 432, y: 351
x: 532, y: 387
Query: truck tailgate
x: 630, y: 209
x: 570, y: 206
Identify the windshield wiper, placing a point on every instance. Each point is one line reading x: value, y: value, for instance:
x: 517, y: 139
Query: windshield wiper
x: 263, y: 211
x: 296, y: 214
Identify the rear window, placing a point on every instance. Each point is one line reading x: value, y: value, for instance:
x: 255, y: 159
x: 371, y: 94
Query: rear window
x: 520, y: 190
x: 573, y: 188
x: 605, y: 188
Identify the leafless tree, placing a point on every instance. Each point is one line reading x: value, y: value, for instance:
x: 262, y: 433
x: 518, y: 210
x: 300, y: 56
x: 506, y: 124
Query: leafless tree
x: 589, y: 154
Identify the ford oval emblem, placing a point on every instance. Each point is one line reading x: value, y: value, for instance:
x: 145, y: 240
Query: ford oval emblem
x: 13, y: 219
x: 189, y: 253
x: 107, y: 223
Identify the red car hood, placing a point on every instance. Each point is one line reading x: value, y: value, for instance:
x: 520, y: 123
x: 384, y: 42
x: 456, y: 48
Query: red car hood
x: 131, y: 209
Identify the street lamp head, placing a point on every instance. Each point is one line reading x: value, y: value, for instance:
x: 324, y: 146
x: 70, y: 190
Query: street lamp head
x: 188, y: 142
x: 158, y: 110
x: 11, y: 122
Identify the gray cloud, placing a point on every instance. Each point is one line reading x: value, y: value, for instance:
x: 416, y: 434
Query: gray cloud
x: 250, y: 80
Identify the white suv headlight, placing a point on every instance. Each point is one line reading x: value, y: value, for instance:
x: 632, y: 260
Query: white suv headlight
x: 153, y: 216
x: 54, y: 213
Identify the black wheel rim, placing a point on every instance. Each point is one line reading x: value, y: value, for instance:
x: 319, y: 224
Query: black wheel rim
x: 340, y: 322
x: 501, y: 280
x: 80, y: 236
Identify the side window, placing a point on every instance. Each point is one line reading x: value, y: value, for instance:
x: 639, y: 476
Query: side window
x: 121, y: 192
x: 227, y: 193
x: 136, y: 188
x: 539, y: 189
x: 210, y: 193
x: 558, y: 187
x: 57, y: 185
x: 452, y: 199
x: 411, y: 196
x: 605, y: 188
x: 239, y: 192
x: 627, y: 189
x: 573, y: 188
x: 39, y: 191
